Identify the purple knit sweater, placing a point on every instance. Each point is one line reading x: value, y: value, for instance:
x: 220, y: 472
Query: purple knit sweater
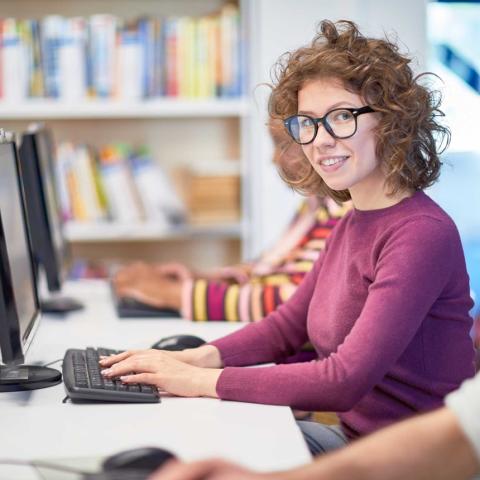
x: 386, y: 308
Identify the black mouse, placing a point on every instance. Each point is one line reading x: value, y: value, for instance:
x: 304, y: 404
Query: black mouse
x: 178, y: 342
x: 145, y: 459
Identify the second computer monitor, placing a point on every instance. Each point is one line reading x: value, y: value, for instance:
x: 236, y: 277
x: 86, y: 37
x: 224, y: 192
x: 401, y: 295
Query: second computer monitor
x: 42, y: 211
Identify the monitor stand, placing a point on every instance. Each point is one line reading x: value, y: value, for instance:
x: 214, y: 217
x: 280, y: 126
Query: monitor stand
x: 16, y: 378
x: 60, y: 305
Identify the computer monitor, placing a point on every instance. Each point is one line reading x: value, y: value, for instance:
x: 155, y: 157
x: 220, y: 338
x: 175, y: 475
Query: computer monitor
x: 19, y: 309
x: 37, y: 171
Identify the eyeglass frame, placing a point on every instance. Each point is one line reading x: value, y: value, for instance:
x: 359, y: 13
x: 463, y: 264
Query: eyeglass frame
x: 323, y: 120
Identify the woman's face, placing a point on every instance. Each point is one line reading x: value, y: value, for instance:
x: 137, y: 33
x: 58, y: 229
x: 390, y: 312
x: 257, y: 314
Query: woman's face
x: 344, y: 164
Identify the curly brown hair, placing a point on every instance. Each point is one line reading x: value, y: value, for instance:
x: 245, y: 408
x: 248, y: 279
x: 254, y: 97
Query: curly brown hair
x: 409, y: 137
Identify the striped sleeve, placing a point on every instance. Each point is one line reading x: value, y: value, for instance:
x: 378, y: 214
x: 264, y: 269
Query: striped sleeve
x: 217, y: 301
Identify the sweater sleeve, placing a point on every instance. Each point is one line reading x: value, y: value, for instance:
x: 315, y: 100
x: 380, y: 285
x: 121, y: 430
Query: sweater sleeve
x: 277, y: 336
x: 412, y: 270
x: 207, y: 300
x: 465, y: 404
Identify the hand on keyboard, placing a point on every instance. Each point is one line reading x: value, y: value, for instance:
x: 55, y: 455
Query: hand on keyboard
x: 83, y: 380
x: 155, y: 367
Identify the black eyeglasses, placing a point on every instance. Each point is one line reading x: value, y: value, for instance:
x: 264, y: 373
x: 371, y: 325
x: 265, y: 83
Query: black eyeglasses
x: 339, y: 123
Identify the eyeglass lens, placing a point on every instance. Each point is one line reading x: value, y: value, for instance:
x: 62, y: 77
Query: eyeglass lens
x: 342, y: 123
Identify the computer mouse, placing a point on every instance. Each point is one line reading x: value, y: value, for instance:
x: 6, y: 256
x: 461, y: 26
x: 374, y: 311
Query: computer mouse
x: 178, y: 342
x: 146, y: 459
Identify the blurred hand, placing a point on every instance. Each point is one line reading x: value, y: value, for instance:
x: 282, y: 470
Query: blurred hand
x: 143, y: 283
x: 132, y: 272
x: 214, y: 469
x: 174, y: 270
x: 239, y: 273
x: 162, y: 370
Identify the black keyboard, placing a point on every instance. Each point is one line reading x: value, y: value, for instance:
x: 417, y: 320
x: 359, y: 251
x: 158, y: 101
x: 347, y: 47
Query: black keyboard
x: 83, y: 380
x: 128, y: 307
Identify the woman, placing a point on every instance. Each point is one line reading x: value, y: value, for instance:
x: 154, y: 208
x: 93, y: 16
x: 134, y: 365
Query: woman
x: 386, y: 304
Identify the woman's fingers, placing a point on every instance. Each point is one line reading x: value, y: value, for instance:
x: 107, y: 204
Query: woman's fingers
x: 144, y: 378
x: 177, y: 270
x: 111, y: 359
x: 140, y: 362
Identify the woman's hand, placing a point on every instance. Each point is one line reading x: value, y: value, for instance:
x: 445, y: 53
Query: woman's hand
x: 174, y: 270
x: 205, y: 356
x: 132, y: 272
x: 239, y: 273
x: 162, y: 370
x: 147, y: 286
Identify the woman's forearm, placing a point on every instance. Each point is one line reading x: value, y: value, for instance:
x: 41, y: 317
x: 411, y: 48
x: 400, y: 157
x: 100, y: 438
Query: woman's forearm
x: 206, y: 356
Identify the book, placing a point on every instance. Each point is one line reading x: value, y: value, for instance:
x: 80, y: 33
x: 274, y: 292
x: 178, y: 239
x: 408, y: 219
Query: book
x: 123, y: 199
x: 212, y: 191
x: 130, y: 67
x: 102, y: 52
x: 15, y: 85
x: 160, y: 200
x: 52, y: 30
x: 71, y: 60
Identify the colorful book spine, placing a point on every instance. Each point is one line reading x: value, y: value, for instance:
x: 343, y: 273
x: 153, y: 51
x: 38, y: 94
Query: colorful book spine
x: 130, y: 77
x: 71, y: 60
x: 52, y: 37
x: 14, y: 63
x: 102, y: 50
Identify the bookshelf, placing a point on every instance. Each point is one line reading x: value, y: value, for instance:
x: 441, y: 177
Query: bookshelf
x: 178, y: 131
x: 108, y: 109
x: 146, y: 231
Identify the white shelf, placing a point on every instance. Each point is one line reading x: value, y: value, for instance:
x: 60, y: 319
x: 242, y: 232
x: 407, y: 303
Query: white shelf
x: 150, y: 108
x: 121, y: 232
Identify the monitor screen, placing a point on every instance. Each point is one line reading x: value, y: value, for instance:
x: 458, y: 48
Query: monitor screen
x: 44, y: 143
x: 16, y: 240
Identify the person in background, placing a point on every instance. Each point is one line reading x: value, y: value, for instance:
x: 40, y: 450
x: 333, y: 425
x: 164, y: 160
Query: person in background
x: 441, y: 445
x: 246, y: 292
x: 386, y: 305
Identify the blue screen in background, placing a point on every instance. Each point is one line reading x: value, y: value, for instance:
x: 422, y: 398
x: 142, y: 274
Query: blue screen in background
x: 453, y: 30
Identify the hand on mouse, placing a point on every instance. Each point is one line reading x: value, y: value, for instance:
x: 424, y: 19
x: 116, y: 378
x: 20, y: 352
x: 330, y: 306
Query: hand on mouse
x: 214, y: 469
x: 162, y: 370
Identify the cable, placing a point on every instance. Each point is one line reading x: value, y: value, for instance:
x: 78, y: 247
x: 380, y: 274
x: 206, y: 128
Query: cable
x: 109, y: 475
x: 51, y: 363
x: 36, y: 464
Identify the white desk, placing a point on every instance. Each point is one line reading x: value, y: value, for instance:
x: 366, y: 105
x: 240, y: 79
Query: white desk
x: 37, y: 425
